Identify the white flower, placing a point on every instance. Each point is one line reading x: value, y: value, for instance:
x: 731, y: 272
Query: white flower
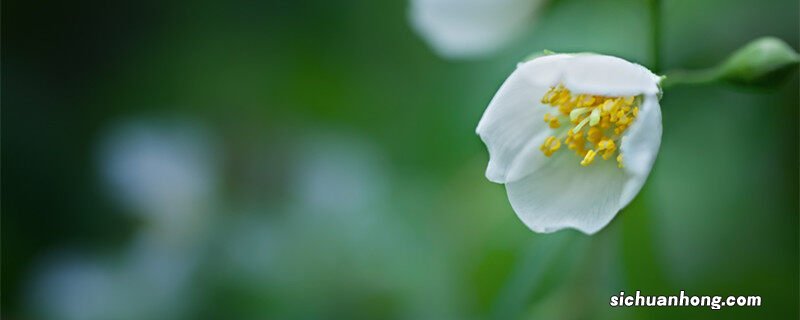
x: 72, y: 287
x: 338, y: 173
x: 602, y: 108
x: 149, y: 281
x: 471, y: 28
x: 163, y: 169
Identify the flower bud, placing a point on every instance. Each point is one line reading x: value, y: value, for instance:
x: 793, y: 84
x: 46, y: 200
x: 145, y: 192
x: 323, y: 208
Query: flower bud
x: 763, y: 61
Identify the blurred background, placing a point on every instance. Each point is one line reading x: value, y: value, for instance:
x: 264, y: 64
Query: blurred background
x: 316, y: 159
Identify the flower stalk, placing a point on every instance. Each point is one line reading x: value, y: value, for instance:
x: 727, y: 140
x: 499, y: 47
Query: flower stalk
x: 762, y: 62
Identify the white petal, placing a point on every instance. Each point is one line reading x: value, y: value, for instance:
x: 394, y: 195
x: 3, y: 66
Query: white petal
x: 640, y: 146
x: 608, y: 76
x: 513, y: 122
x: 564, y: 194
x: 470, y: 28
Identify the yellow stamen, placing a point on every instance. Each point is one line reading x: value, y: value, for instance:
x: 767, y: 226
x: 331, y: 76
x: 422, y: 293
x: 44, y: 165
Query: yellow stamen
x: 594, y: 118
x: 550, y: 145
x: 609, y: 147
x: 604, y: 118
x: 576, y: 113
x: 589, y: 158
x: 556, y: 145
x: 594, y: 135
x: 581, y: 124
x: 552, y: 121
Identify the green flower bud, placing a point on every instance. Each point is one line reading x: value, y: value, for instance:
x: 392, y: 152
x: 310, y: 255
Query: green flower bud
x: 763, y: 61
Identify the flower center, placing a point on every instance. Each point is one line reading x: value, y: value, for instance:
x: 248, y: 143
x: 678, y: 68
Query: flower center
x: 596, y: 123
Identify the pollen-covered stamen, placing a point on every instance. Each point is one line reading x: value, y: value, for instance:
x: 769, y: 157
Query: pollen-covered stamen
x: 550, y: 145
x: 552, y: 121
x: 589, y: 158
x: 597, y: 123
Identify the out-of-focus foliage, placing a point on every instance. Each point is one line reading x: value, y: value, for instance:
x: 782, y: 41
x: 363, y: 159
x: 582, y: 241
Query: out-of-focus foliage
x: 333, y: 169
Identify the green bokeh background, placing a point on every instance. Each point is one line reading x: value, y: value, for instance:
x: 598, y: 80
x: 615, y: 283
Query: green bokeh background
x: 277, y: 81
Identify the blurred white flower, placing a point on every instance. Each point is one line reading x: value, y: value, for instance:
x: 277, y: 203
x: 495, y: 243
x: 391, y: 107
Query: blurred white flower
x: 603, y: 108
x: 338, y: 173
x: 471, y: 28
x: 161, y: 169
x: 340, y: 185
x: 70, y: 287
x: 148, y: 282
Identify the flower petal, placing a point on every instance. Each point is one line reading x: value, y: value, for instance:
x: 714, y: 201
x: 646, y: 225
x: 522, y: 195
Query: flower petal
x: 608, y: 76
x: 470, y: 28
x: 563, y: 194
x: 640, y: 146
x: 513, y: 121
